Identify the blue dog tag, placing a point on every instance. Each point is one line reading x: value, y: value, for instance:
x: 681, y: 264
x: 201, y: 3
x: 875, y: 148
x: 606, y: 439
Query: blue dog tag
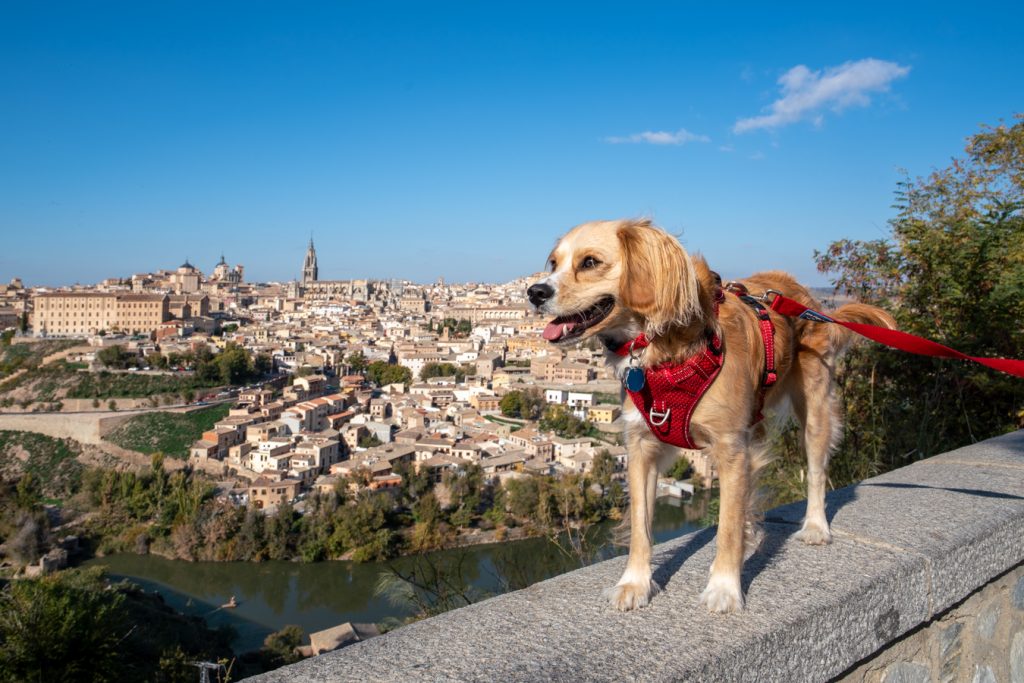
x: 635, y: 379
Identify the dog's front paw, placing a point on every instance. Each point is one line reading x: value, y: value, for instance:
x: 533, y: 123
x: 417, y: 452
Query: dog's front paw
x: 722, y: 596
x: 814, y: 534
x: 632, y: 595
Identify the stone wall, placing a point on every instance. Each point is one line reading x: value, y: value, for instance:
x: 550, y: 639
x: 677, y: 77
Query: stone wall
x: 980, y: 640
x: 911, y: 549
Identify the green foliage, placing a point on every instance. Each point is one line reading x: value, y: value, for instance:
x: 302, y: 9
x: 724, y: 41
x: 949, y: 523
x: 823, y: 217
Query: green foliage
x: 603, y: 468
x: 430, y: 370
x: 680, y: 469
x: 561, y: 421
x: 362, y: 529
x: 117, y: 357
x: 61, y: 629
x: 71, y: 627
x: 527, y: 404
x: 232, y: 366
x: 280, y: 646
x: 465, y: 489
x: 51, y: 463
x: 458, y: 329
x: 106, y: 385
x: 25, y: 355
x: 235, y: 364
x: 952, y: 271
x: 168, y: 433
x: 369, y: 441
x: 383, y: 373
x: 357, y: 362
x: 415, y: 483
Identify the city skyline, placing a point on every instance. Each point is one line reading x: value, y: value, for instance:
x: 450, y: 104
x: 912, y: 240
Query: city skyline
x: 456, y: 142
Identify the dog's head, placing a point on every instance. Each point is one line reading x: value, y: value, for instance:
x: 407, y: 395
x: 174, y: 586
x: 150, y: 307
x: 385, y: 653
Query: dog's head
x: 611, y: 275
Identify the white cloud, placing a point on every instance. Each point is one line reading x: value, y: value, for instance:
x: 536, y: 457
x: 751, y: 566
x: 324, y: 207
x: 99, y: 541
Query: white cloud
x: 805, y: 93
x: 661, y: 137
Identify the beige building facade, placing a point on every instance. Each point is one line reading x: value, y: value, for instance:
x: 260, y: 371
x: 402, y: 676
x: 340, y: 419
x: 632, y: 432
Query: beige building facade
x: 78, y: 314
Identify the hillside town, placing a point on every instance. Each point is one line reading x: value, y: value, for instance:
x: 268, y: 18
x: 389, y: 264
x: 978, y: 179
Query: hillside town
x: 451, y: 354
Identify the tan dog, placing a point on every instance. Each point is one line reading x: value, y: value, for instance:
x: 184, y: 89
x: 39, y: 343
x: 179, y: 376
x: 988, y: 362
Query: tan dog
x: 617, y: 279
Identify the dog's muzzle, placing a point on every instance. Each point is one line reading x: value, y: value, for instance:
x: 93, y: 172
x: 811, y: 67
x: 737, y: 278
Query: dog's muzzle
x: 540, y: 293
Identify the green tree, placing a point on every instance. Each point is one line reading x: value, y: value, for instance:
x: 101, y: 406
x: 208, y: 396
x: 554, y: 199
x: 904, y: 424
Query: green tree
x: 415, y: 483
x: 235, y: 364
x: 371, y: 440
x: 428, y: 529
x: 561, y: 421
x: 680, y: 469
x: 383, y: 373
x: 465, y: 488
x: 952, y: 270
x: 430, y: 370
x: 527, y: 404
x: 61, y: 628
x: 357, y: 362
x: 362, y: 528
x: 603, y: 468
x: 116, y: 357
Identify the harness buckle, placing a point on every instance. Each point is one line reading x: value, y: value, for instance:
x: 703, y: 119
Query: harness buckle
x: 657, y: 418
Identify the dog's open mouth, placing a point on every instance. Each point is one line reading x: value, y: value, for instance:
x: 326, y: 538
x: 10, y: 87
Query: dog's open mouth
x: 568, y: 327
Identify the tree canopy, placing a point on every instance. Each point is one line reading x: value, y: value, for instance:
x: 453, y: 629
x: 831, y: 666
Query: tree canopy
x: 952, y: 270
x: 383, y: 373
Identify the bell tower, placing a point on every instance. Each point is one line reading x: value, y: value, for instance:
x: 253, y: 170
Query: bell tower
x: 309, y: 269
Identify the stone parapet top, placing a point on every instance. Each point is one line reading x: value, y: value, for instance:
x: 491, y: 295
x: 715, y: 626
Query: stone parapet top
x: 907, y: 545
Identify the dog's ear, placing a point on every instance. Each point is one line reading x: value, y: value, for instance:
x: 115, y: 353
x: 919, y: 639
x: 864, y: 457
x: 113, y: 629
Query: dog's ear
x: 658, y: 280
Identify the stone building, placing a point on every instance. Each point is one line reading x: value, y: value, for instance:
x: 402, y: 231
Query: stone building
x: 79, y: 314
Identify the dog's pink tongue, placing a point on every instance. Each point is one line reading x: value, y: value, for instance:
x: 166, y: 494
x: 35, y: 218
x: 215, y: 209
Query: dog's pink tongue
x: 557, y: 328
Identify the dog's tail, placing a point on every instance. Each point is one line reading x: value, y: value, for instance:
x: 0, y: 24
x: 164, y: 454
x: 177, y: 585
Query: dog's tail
x: 840, y: 339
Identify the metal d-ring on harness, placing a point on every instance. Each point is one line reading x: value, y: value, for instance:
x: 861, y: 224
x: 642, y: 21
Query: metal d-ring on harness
x: 667, y: 394
x: 635, y: 380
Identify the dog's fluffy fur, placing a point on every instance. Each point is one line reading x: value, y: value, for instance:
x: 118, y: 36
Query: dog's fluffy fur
x: 659, y: 289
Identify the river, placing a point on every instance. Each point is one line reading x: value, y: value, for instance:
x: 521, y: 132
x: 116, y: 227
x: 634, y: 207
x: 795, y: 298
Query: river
x: 315, y: 596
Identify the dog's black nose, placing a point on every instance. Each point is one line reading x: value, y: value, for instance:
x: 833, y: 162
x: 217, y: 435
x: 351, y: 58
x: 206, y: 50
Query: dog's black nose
x: 539, y: 293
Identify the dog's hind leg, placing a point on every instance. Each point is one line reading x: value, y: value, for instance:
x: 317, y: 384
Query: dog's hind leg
x: 723, y: 592
x: 815, y: 408
x: 636, y: 587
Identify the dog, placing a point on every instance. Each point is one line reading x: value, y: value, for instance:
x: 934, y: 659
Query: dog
x: 616, y: 280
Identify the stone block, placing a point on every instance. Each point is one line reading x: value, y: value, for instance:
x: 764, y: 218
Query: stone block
x: 983, y: 674
x: 906, y: 672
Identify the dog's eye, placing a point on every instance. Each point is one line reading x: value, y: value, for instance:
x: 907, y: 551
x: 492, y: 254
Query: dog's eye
x: 588, y: 262
x: 553, y: 265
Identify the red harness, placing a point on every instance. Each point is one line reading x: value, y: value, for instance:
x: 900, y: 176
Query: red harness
x: 671, y: 391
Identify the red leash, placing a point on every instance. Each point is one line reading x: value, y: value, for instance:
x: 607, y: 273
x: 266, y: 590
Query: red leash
x: 894, y: 338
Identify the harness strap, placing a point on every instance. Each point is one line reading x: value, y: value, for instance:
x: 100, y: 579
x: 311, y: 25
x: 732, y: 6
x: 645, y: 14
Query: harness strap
x: 764, y: 323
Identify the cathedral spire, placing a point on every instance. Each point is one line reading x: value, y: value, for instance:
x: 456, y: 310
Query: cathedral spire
x: 309, y: 268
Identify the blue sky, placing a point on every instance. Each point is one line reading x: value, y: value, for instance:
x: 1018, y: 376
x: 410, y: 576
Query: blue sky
x: 459, y: 139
